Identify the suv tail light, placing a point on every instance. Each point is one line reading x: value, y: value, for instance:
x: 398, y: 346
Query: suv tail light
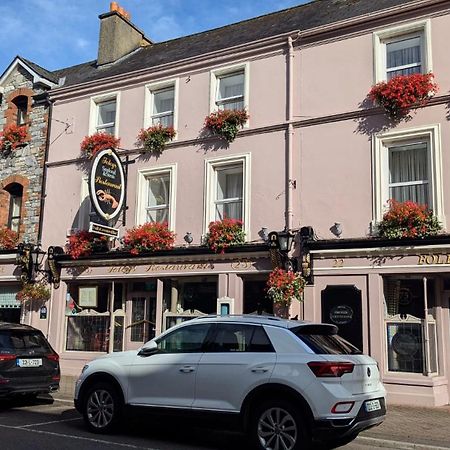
x: 7, y: 357
x: 53, y: 357
x: 330, y: 369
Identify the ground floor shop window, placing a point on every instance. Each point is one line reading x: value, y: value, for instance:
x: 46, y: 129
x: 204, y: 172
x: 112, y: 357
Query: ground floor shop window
x: 95, y: 314
x: 9, y: 307
x: 256, y: 300
x: 411, y: 338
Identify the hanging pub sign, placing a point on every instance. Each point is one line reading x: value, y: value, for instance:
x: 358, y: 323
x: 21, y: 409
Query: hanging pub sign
x: 107, y: 184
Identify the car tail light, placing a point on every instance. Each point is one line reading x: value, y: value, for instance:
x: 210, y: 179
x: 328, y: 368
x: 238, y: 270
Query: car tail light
x: 7, y: 357
x: 53, y: 357
x: 56, y: 378
x: 330, y: 369
x: 342, y: 407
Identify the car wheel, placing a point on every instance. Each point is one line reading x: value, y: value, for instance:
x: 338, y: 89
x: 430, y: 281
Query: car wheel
x: 278, y: 425
x: 102, y: 408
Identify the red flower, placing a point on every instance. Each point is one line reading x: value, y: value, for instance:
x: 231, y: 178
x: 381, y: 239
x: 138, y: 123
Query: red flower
x: 91, y: 145
x: 284, y: 285
x: 226, y: 123
x: 403, y: 93
x: 149, y: 237
x: 8, y: 239
x: 225, y: 233
x: 12, y: 137
x: 84, y: 243
x: 154, y: 139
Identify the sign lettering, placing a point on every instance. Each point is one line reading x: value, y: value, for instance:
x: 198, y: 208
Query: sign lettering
x: 427, y: 260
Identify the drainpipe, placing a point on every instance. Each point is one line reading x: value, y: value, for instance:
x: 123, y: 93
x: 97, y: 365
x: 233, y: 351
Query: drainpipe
x: 290, y: 183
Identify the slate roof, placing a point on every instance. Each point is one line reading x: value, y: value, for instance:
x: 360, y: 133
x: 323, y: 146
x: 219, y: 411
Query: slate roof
x: 303, y: 17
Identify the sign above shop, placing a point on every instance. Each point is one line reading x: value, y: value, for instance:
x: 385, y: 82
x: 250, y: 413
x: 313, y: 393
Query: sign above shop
x: 103, y: 230
x: 107, y: 184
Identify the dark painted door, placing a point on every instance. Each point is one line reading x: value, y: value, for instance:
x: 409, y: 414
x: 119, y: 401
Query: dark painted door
x: 341, y: 306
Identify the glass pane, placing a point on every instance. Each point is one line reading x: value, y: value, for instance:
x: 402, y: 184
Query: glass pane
x: 185, y: 340
x: 163, y: 101
x: 137, y: 315
x: 16, y: 203
x: 106, y: 113
x: 165, y: 121
x: 108, y: 130
x: 418, y: 194
x: 158, y: 190
x: 404, y: 52
x: 231, y: 86
x: 118, y: 334
x: 406, y: 71
x: 158, y: 215
x: 229, y: 183
x: 233, y: 105
x: 408, y: 163
x: 88, y: 333
x: 230, y: 210
x: 405, y: 347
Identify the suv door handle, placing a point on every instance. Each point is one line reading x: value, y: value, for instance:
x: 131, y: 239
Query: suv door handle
x: 187, y: 369
x: 260, y: 370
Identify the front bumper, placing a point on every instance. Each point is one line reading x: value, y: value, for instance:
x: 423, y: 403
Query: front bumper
x: 332, y: 429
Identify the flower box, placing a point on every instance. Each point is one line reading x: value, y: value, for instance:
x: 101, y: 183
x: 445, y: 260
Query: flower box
x: 84, y: 243
x: 284, y: 286
x: 149, y: 237
x: 91, y: 145
x: 408, y: 220
x: 155, y: 138
x: 226, y: 123
x: 224, y: 233
x: 403, y: 93
x: 12, y: 137
x: 8, y: 239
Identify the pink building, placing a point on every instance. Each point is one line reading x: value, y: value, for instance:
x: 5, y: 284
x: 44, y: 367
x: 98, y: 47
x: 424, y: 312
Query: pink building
x: 313, y: 153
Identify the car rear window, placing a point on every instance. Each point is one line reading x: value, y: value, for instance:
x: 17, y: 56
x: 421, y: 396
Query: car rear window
x: 324, y: 340
x: 16, y: 341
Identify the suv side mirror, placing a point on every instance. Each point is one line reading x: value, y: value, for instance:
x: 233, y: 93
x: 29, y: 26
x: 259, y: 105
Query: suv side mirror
x: 150, y: 348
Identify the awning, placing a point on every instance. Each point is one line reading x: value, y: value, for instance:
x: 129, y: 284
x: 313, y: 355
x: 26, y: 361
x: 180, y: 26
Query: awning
x: 8, y: 297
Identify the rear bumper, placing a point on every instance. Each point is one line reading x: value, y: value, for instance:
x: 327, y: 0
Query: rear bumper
x: 13, y: 387
x: 332, y: 429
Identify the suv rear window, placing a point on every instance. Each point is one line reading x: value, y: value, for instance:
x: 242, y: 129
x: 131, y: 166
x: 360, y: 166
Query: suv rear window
x: 324, y: 340
x: 17, y: 341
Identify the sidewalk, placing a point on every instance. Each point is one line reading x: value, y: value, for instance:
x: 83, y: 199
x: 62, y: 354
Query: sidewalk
x: 424, y: 427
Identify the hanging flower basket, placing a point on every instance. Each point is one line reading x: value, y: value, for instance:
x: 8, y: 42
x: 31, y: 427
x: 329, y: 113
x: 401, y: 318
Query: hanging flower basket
x: 12, y: 137
x: 91, y: 145
x: 403, y: 93
x: 224, y: 234
x: 408, y: 220
x: 284, y: 286
x: 154, y: 139
x: 84, y: 243
x: 8, y: 239
x: 226, y: 123
x: 149, y: 237
x: 35, y: 292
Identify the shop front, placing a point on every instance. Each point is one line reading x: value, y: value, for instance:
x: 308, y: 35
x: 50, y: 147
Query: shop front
x: 391, y: 301
x: 116, y: 303
x: 10, y: 308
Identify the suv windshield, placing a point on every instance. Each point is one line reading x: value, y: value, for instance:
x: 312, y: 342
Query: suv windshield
x: 18, y: 341
x: 324, y: 340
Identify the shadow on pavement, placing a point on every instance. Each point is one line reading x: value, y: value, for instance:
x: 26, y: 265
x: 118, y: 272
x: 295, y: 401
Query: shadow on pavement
x: 25, y: 400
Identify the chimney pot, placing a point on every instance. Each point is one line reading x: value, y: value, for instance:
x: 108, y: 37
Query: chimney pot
x: 113, y: 6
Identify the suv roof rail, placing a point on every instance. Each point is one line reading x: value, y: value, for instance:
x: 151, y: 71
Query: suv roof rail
x: 244, y: 316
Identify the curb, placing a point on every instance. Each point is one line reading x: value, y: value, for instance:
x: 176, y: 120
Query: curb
x: 396, y: 444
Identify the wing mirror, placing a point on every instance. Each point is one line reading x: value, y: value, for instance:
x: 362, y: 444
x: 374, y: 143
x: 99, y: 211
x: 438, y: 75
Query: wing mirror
x: 150, y: 348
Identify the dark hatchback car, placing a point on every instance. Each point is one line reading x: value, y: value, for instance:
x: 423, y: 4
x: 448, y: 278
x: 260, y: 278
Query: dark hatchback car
x: 28, y: 364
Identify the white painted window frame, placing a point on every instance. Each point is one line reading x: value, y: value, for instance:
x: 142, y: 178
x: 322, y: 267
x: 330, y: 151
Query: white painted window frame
x: 387, y: 35
x: 380, y: 164
x: 150, y: 89
x: 94, y: 102
x: 216, y: 73
x: 211, y: 166
x: 142, y: 192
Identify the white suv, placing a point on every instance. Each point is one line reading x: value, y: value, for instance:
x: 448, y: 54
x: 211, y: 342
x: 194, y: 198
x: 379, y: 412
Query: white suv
x: 290, y: 383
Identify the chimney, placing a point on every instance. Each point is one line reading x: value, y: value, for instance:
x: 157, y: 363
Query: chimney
x: 118, y: 36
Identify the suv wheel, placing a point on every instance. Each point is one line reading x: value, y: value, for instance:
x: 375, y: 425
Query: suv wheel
x: 102, y: 408
x: 278, y: 424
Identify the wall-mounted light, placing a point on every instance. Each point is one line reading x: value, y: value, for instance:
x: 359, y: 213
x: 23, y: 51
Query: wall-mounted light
x: 280, y: 242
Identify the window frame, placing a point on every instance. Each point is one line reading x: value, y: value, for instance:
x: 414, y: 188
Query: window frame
x: 142, y: 192
x: 149, y: 99
x: 380, y: 167
x: 381, y: 38
x: 94, y: 104
x: 15, y: 191
x: 220, y: 72
x: 211, y: 166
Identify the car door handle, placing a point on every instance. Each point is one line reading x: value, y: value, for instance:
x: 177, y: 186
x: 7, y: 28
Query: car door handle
x: 187, y: 369
x: 260, y: 370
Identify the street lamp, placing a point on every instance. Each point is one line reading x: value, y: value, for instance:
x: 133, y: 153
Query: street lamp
x: 281, y: 243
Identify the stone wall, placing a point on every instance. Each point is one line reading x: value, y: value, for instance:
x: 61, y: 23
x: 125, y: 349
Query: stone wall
x: 24, y: 165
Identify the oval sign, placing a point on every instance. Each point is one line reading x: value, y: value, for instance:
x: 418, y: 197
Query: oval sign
x: 341, y: 314
x: 107, y: 184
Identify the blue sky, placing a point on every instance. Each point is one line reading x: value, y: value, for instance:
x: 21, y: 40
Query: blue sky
x: 62, y: 33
